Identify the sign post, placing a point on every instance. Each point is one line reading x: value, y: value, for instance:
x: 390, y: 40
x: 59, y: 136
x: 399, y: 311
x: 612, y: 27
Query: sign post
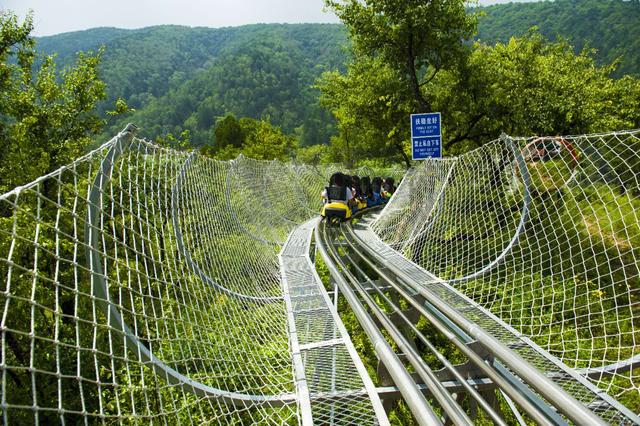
x: 426, y: 136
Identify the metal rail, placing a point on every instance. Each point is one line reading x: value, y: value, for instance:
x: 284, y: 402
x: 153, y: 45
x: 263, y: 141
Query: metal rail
x: 474, y: 358
x: 563, y: 402
x: 537, y: 409
x: 611, y: 369
x: 531, y: 403
x: 453, y: 409
x: 412, y: 394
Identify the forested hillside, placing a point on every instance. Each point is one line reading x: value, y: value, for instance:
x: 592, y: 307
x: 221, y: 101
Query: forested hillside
x: 179, y: 78
x: 612, y: 27
x: 185, y: 79
x: 65, y: 45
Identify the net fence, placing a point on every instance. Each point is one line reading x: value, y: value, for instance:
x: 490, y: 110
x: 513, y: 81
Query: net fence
x: 142, y: 285
x: 543, y: 232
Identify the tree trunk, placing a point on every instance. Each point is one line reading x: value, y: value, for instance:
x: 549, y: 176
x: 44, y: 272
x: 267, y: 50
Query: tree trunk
x: 405, y: 157
x: 423, y: 105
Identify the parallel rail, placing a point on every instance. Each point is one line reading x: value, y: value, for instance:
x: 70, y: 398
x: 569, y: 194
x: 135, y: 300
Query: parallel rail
x: 377, y: 288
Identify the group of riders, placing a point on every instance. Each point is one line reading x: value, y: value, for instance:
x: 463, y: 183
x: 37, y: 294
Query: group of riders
x: 347, y: 194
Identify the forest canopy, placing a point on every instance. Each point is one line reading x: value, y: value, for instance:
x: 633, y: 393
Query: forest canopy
x: 609, y: 27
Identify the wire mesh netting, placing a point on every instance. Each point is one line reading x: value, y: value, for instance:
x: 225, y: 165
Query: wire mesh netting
x: 543, y: 232
x: 143, y: 284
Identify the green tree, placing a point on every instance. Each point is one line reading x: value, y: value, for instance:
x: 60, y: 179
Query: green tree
x: 257, y: 139
x: 181, y: 142
x: 523, y: 87
x: 228, y: 132
x: 313, y: 155
x: 530, y: 86
x: 47, y: 118
x: 266, y: 142
x: 415, y: 38
x: 371, y: 107
x: 121, y: 108
x: 400, y: 47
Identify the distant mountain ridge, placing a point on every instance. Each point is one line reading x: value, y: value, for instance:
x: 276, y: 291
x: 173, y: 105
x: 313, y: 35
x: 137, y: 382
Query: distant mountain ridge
x: 66, y: 45
x: 169, y: 72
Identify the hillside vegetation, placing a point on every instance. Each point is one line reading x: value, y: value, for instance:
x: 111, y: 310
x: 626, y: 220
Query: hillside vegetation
x: 180, y: 78
x: 186, y: 79
x: 612, y: 27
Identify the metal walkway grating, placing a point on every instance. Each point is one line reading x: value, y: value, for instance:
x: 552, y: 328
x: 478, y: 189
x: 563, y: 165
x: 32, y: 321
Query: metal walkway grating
x: 332, y: 384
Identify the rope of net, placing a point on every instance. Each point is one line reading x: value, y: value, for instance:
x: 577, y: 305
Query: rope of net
x: 543, y: 232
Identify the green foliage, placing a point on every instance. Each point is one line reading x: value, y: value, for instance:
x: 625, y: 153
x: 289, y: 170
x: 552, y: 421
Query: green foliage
x: 264, y: 80
x: 602, y: 228
x: 530, y: 86
x: 400, y: 47
x: 181, y: 142
x: 228, y: 132
x: 412, y: 37
x: 257, y: 139
x: 121, y: 108
x: 66, y: 45
x: 371, y: 106
x: 314, y: 155
x: 610, y: 27
x: 526, y: 86
x: 47, y: 118
x: 266, y: 142
x: 200, y: 75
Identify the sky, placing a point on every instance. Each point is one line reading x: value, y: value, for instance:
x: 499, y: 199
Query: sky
x: 59, y: 16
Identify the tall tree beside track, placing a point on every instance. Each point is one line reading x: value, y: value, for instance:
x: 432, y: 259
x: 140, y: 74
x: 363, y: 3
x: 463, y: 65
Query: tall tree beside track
x: 47, y: 117
x: 413, y: 56
x: 410, y: 42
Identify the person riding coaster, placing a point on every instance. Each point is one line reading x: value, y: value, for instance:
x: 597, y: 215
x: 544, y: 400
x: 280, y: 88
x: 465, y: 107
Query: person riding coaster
x: 375, y: 197
x: 359, y: 201
x: 388, y: 188
x: 337, y: 206
x: 338, y: 196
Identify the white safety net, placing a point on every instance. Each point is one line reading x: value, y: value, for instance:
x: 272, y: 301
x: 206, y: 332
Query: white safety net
x: 543, y: 232
x: 142, y: 285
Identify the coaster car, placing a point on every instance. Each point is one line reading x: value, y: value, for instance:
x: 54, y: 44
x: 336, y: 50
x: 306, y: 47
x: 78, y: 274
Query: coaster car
x: 336, y: 208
